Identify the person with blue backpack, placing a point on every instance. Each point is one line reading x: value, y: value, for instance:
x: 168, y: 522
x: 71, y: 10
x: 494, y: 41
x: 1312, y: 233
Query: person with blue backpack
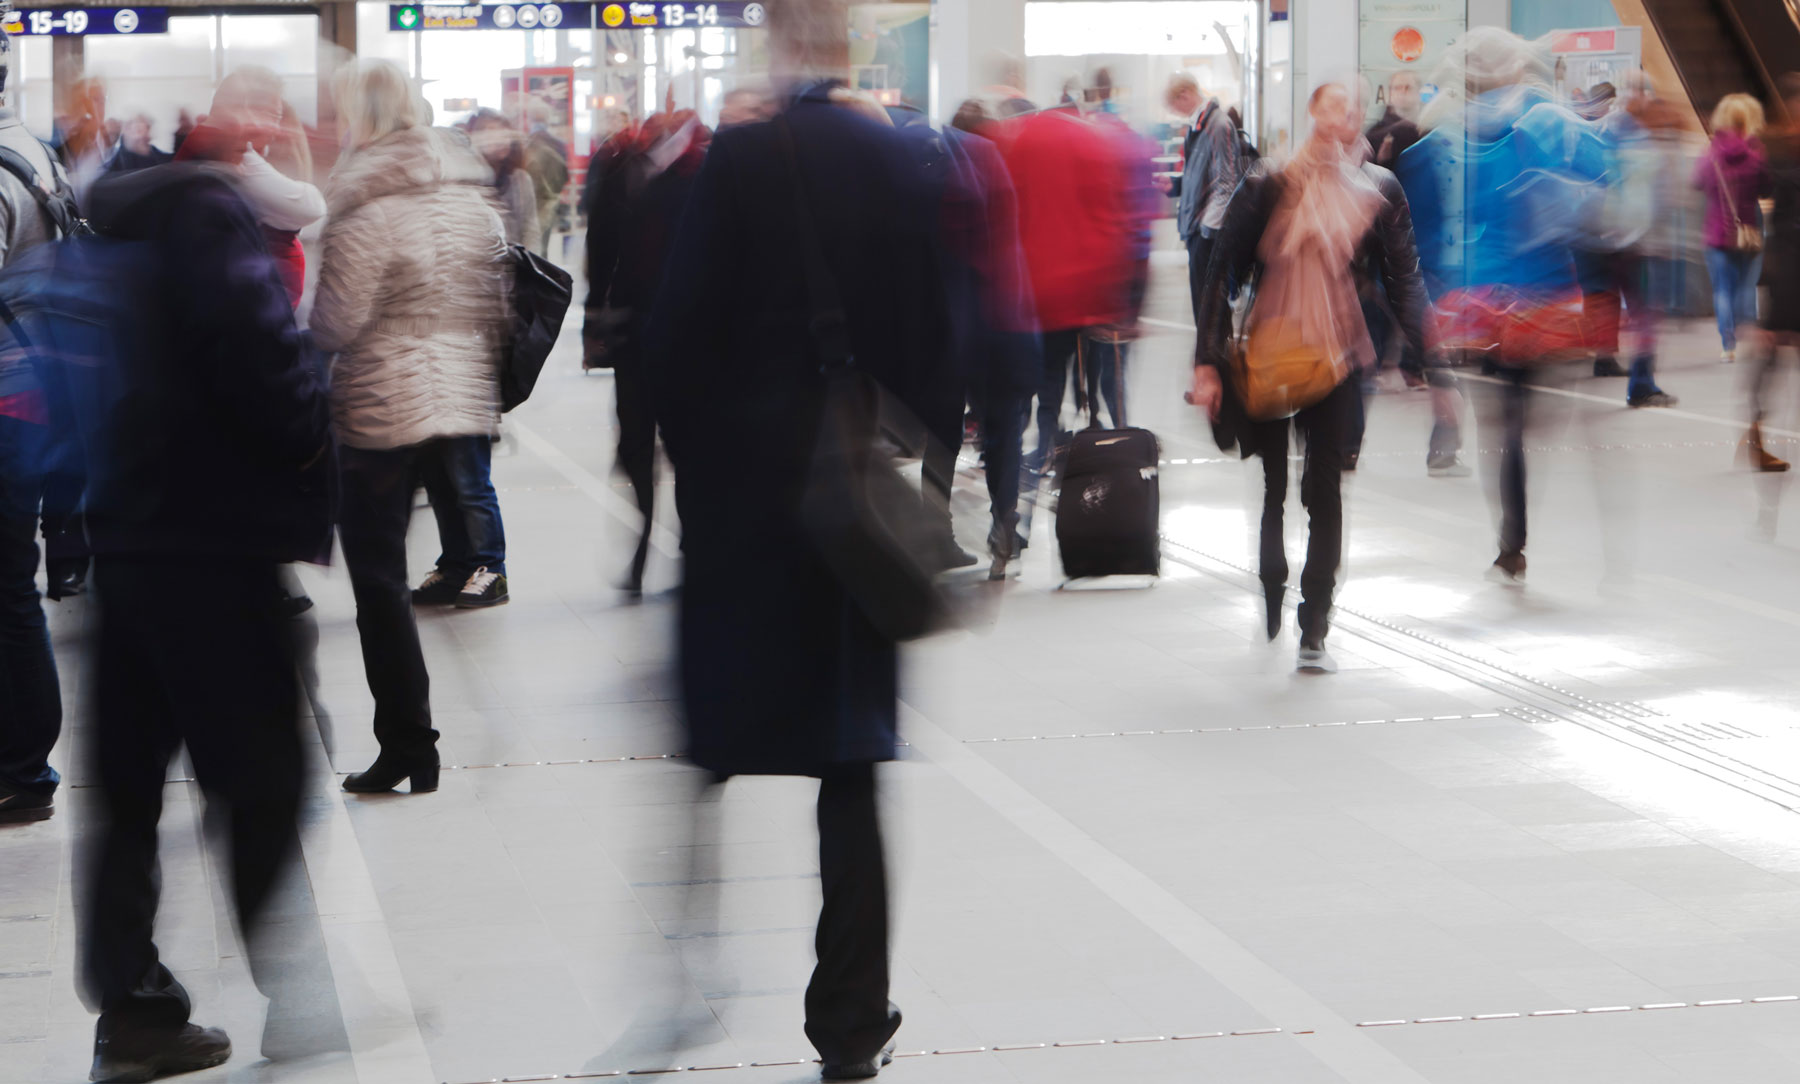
x: 30, y: 702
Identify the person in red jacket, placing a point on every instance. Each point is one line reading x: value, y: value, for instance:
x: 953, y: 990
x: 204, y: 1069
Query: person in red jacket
x: 1074, y: 226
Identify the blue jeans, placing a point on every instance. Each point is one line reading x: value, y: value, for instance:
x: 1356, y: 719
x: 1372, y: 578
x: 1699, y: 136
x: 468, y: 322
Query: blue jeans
x: 457, y: 472
x: 1734, y: 276
x: 30, y: 700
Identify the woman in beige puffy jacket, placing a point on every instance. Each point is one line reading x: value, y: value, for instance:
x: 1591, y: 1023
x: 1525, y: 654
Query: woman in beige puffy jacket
x: 411, y: 299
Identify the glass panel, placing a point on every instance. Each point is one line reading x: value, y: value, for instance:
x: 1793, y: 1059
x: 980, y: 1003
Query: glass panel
x: 158, y: 76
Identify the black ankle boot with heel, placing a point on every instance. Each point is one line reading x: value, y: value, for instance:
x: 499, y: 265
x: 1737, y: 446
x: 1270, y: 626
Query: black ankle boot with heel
x: 389, y: 771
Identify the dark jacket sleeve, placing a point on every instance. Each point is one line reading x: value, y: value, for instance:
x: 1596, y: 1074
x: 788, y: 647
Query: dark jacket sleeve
x: 1397, y: 254
x: 250, y: 356
x: 603, y: 200
x: 687, y: 346
x: 1233, y: 260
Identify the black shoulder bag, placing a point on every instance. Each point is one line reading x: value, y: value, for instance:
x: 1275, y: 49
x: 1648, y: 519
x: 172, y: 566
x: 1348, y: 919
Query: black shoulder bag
x: 864, y: 519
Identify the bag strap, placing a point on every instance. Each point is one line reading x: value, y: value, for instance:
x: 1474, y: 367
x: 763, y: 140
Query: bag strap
x: 1725, y: 193
x: 828, y: 323
x: 54, y: 206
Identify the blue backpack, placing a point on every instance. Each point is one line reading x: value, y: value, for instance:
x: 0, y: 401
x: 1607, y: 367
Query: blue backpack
x: 72, y: 311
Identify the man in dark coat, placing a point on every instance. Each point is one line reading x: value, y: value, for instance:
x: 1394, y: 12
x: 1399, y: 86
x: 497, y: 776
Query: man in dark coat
x: 208, y: 448
x: 781, y: 673
x: 632, y: 221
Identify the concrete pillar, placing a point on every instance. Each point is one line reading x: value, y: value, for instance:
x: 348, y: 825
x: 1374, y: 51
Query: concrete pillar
x: 968, y: 38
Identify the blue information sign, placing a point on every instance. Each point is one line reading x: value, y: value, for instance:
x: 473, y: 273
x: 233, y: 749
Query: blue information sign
x: 621, y: 15
x: 654, y: 13
x: 77, y: 22
x: 524, y: 16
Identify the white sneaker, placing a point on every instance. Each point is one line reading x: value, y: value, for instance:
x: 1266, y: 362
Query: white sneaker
x: 1728, y: 356
x: 1315, y: 660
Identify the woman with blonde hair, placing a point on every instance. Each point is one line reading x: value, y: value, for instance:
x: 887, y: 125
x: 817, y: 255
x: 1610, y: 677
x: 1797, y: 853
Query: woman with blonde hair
x: 1734, y: 175
x: 412, y: 300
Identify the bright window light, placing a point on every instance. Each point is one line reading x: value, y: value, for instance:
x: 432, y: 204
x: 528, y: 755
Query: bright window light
x: 1130, y: 27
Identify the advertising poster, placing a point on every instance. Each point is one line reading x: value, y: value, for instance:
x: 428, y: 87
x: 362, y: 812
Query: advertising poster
x: 554, y: 87
x: 1587, y: 58
x: 1406, y: 35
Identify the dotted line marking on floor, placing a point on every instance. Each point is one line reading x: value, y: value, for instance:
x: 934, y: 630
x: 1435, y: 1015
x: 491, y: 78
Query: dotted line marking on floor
x: 1242, y: 729
x: 1134, y: 1040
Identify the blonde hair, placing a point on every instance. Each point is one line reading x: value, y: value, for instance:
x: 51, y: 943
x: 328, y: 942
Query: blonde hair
x: 1738, y: 113
x: 809, y: 39
x: 1179, y: 83
x: 375, y: 99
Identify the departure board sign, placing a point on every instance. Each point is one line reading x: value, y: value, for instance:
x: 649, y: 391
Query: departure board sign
x: 79, y: 22
x: 645, y: 13
x: 490, y: 16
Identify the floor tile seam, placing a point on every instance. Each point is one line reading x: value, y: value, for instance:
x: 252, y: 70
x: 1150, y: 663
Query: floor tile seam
x: 1497, y: 714
x: 1074, y: 1043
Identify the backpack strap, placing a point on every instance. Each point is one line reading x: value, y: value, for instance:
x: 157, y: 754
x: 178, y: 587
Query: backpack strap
x: 57, y: 207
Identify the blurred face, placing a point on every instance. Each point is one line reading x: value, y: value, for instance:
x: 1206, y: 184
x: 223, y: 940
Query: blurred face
x: 1334, y: 116
x: 1403, y: 94
x: 1185, y: 102
x: 494, y: 141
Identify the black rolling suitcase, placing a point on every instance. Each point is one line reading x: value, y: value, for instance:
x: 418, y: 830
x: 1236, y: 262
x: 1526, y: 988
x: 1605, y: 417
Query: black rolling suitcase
x: 1109, y: 509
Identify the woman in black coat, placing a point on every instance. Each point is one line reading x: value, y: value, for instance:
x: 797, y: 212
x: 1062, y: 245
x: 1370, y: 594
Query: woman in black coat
x: 1369, y: 229
x: 780, y: 672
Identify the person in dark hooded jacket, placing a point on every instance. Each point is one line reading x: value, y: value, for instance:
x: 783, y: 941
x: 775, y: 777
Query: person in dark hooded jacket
x: 209, y: 460
x: 632, y: 224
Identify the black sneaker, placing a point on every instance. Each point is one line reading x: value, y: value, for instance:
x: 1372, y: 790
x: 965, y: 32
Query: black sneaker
x: 133, y: 1055
x: 435, y: 589
x: 1652, y: 399
x: 483, y: 589
x: 1608, y: 367
x: 22, y: 806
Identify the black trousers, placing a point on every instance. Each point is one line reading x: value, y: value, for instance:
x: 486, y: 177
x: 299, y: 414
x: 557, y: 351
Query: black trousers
x: 1059, y: 354
x: 215, y: 671
x: 375, y: 507
x: 1199, y: 253
x: 637, y: 437
x: 1505, y: 408
x: 848, y: 1015
x: 1002, y: 412
x: 1321, y: 430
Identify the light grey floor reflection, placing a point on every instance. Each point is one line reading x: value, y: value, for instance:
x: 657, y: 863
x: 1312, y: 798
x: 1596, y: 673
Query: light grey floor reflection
x: 669, y: 1027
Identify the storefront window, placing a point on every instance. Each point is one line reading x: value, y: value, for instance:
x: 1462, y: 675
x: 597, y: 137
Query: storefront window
x: 1142, y: 43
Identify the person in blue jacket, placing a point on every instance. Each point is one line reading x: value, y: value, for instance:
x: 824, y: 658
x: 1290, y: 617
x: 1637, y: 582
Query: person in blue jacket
x: 1505, y: 188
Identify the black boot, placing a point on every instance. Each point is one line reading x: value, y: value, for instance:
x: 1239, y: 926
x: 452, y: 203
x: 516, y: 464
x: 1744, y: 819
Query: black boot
x: 389, y: 770
x: 1273, y: 593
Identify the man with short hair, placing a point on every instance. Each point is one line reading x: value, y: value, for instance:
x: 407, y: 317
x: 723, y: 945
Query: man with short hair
x: 30, y: 700
x: 1209, y: 173
x: 1398, y: 127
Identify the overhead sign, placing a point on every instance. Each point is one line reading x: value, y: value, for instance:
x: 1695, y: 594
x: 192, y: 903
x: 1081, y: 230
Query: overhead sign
x: 490, y: 16
x: 78, y: 22
x: 572, y: 16
x: 643, y: 13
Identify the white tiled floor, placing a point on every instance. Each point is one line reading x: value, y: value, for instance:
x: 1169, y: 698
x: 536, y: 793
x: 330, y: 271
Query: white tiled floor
x: 1120, y: 815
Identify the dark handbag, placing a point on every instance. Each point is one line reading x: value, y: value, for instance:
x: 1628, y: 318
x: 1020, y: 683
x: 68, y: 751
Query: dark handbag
x: 541, y: 292
x: 863, y: 518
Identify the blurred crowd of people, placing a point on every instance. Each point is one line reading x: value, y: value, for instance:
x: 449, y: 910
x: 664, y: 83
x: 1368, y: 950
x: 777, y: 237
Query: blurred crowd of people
x: 783, y: 300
